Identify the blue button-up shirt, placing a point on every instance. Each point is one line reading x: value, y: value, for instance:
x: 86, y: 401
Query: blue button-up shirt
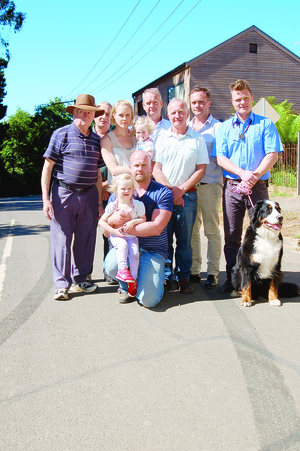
x: 260, y: 138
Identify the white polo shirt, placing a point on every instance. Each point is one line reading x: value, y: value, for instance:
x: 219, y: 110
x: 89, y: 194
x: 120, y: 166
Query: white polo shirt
x: 179, y: 155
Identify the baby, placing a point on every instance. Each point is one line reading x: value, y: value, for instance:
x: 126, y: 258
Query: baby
x: 127, y: 245
x: 143, y: 126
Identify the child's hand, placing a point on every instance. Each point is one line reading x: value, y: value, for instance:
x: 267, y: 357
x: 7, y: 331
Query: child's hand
x: 128, y: 226
x: 119, y: 232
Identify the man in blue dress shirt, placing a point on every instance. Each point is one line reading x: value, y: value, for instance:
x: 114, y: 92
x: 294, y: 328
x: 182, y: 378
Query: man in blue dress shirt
x: 247, y: 146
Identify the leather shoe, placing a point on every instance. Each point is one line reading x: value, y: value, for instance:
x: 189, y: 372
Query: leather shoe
x: 195, y: 278
x: 167, y: 285
x: 211, y: 281
x: 226, y: 287
x: 185, y: 286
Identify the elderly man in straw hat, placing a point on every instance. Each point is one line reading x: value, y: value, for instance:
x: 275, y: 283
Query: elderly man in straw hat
x: 73, y: 159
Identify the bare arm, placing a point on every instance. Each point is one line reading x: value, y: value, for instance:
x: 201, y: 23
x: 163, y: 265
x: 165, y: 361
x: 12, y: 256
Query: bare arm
x: 110, y: 159
x: 246, y: 176
x: 107, y: 229
x: 178, y: 191
x: 99, y: 188
x: 45, y: 184
x: 118, y: 219
x: 194, y: 178
x: 127, y: 227
x: 159, y: 175
x: 159, y: 221
x: 266, y: 164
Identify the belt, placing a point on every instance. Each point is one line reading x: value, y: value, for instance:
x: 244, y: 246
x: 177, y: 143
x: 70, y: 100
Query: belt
x: 237, y: 181
x: 70, y: 187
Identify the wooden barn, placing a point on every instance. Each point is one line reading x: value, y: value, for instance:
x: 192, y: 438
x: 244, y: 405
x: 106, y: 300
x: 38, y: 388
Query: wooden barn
x: 270, y: 69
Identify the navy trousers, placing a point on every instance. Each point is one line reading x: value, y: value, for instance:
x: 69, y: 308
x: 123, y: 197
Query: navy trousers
x: 73, y: 234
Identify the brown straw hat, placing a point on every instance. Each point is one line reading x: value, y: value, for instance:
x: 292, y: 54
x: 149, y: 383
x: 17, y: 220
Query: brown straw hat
x: 85, y: 102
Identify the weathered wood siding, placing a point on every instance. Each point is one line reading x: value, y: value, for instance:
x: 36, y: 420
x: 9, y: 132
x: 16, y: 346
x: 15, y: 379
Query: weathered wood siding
x: 270, y: 72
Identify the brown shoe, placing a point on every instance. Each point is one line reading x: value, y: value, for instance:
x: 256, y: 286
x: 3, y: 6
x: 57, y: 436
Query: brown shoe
x: 185, y: 286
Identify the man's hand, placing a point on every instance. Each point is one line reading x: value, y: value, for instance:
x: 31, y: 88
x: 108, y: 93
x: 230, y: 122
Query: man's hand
x: 249, y: 178
x: 48, y: 209
x: 100, y: 211
x: 105, y: 193
x: 179, y: 201
x: 118, y: 219
x: 177, y: 192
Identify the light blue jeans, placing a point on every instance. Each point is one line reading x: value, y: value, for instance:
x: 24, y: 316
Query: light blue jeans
x: 181, y: 224
x: 150, y: 279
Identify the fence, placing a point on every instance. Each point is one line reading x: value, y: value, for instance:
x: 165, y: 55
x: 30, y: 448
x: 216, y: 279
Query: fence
x: 284, y: 172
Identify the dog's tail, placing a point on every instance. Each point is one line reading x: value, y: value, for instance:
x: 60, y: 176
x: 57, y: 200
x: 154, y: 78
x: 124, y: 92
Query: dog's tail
x: 288, y: 290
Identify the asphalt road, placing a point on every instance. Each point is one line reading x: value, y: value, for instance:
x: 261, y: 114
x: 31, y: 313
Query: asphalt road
x: 199, y: 372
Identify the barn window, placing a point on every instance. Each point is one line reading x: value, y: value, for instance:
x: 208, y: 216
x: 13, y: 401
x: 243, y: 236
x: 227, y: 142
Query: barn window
x: 176, y: 91
x: 141, y: 111
x: 252, y: 48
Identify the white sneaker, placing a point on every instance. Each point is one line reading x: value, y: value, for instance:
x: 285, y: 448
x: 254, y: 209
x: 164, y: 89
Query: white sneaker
x: 61, y: 294
x: 86, y: 287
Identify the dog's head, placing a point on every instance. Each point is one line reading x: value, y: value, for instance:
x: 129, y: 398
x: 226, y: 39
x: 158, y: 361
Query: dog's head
x: 268, y: 214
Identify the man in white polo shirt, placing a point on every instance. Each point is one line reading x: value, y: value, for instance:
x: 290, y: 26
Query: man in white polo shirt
x: 180, y: 161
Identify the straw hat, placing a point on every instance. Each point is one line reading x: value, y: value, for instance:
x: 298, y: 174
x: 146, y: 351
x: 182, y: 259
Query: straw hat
x: 85, y: 102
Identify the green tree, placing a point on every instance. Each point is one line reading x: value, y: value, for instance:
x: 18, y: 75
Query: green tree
x: 18, y: 149
x: 3, y: 65
x: 11, y: 18
x: 288, y: 125
x: 26, y: 139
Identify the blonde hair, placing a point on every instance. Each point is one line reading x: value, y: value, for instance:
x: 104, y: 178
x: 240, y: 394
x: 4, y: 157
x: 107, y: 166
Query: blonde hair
x: 114, y: 108
x: 114, y: 184
x: 240, y: 85
x: 144, y: 120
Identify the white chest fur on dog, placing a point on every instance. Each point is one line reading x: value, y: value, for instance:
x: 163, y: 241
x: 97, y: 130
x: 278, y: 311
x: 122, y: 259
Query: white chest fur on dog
x: 267, y: 246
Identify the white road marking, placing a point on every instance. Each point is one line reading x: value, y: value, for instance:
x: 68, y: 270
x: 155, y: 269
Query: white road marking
x: 6, y: 254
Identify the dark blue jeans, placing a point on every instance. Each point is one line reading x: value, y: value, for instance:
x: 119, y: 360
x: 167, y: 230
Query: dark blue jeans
x: 181, y: 224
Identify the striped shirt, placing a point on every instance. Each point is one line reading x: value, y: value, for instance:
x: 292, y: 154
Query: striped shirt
x: 76, y: 156
x: 158, y: 197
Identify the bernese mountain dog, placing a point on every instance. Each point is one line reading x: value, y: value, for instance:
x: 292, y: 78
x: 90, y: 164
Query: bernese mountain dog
x: 257, y: 272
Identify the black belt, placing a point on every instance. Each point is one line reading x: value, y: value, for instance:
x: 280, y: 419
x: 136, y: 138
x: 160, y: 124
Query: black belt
x: 70, y: 187
x: 237, y: 181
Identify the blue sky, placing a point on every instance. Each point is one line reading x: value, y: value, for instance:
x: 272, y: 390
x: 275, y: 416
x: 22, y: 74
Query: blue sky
x: 62, y: 42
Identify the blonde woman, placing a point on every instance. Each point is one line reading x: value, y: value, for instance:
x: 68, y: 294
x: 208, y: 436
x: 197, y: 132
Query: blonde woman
x: 118, y: 145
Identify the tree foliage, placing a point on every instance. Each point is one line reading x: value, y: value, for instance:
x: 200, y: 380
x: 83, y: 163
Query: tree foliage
x: 288, y: 125
x: 3, y: 65
x: 26, y: 139
x: 11, y: 18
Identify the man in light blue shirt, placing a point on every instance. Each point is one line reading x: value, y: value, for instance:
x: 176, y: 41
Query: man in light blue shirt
x: 247, y: 146
x: 209, y: 192
x: 180, y: 162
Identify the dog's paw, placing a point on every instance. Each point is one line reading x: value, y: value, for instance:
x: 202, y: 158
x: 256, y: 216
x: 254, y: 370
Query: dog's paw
x: 236, y: 294
x: 246, y: 303
x: 275, y: 302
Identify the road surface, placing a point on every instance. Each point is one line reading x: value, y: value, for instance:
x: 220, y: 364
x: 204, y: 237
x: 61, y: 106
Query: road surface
x: 198, y: 372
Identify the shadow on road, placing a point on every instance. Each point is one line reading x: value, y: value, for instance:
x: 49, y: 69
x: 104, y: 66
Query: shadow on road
x: 21, y: 203
x: 21, y: 230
